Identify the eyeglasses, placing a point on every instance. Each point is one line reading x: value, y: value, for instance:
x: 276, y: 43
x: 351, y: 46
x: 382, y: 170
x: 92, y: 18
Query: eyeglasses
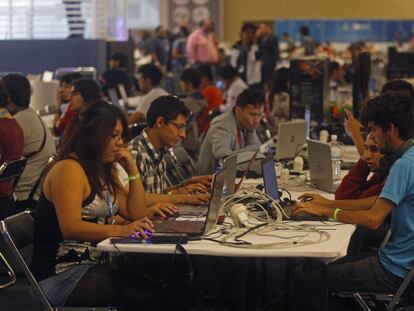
x: 255, y: 115
x: 179, y: 127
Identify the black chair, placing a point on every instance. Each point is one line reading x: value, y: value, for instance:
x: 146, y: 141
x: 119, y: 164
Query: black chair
x: 180, y: 165
x: 136, y: 129
x: 398, y: 301
x: 18, y: 232
x: 11, y: 171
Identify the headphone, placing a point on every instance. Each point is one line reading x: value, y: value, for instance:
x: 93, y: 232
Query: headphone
x: 388, y: 160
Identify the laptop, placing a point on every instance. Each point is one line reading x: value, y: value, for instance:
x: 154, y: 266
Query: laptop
x: 114, y: 99
x: 230, y: 164
x: 47, y: 76
x: 272, y: 190
x: 123, y: 94
x: 291, y: 136
x: 270, y: 185
x: 247, y: 169
x: 196, y: 227
x: 320, y: 165
x: 308, y: 119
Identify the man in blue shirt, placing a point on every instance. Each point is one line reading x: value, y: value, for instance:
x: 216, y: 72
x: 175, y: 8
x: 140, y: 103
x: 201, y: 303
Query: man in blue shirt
x: 390, y: 119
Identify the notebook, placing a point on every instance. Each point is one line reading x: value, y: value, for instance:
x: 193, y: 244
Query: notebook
x: 230, y: 164
x: 291, y: 136
x: 320, y: 165
x: 272, y: 190
x: 194, y: 227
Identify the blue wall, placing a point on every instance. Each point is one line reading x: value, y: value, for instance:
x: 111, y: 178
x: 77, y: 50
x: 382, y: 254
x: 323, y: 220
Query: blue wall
x: 347, y: 30
x: 35, y: 56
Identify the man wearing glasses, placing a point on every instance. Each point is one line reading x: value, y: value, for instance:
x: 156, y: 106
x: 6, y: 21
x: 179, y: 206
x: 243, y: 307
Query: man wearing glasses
x: 233, y: 131
x: 166, y: 126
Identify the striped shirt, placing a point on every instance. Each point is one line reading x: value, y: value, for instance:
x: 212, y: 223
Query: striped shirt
x: 150, y: 163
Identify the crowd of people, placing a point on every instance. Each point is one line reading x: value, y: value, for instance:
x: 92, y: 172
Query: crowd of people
x: 80, y: 196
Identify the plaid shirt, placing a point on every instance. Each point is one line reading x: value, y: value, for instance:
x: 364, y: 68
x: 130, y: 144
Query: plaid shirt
x: 150, y: 163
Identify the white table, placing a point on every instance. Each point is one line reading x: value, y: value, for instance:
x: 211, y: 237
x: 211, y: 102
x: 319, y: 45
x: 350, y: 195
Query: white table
x: 327, y: 251
x: 335, y: 247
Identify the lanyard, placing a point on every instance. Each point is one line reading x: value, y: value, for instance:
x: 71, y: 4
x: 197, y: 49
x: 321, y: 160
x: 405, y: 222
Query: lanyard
x: 239, y: 138
x: 109, y: 204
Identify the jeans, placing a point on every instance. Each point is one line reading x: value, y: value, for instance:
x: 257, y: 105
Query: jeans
x: 58, y: 288
x: 363, y: 272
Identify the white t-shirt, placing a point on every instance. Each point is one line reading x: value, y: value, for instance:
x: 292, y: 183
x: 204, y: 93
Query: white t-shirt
x: 146, y: 100
x: 232, y: 93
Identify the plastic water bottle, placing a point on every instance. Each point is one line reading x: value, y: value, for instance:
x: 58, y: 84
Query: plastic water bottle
x: 336, y: 157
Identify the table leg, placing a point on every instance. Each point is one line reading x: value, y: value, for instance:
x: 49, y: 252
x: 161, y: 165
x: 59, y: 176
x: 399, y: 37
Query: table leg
x: 199, y: 280
x: 242, y: 270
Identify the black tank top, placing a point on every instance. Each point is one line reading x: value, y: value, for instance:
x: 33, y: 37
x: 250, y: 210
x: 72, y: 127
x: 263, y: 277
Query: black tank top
x: 52, y: 254
x: 47, y: 238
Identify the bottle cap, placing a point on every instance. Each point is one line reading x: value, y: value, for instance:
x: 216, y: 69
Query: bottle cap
x: 323, y: 136
x: 298, y: 164
x: 284, y: 176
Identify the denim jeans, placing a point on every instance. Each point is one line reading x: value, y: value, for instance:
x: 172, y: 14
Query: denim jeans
x: 58, y: 288
x: 363, y: 272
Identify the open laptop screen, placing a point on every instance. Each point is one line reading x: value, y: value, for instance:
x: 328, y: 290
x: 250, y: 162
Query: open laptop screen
x: 230, y: 164
x: 216, y: 193
x: 113, y: 96
x: 308, y: 119
x: 270, y: 178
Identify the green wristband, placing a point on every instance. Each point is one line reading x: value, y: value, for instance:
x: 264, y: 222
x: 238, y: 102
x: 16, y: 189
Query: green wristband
x: 335, y: 214
x: 129, y: 178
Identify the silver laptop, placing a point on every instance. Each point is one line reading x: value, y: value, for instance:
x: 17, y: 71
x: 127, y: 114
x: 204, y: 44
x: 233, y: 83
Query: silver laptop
x: 291, y: 136
x: 320, y: 165
x: 123, y: 93
x: 308, y: 119
x: 197, y: 227
x: 113, y: 97
x: 230, y: 164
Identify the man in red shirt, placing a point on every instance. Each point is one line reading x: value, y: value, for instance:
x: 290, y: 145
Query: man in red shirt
x: 62, y: 115
x: 356, y: 185
x: 211, y: 94
x: 11, y: 148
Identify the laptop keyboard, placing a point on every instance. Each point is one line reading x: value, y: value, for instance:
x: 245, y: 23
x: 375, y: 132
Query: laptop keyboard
x: 174, y: 226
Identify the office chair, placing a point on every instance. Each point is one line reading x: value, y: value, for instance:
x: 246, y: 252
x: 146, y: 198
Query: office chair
x: 398, y: 301
x: 136, y: 129
x: 18, y: 232
x: 180, y: 165
x: 11, y: 171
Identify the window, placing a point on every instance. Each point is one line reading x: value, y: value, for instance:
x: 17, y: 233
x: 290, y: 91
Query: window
x: 59, y: 19
x: 41, y: 19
